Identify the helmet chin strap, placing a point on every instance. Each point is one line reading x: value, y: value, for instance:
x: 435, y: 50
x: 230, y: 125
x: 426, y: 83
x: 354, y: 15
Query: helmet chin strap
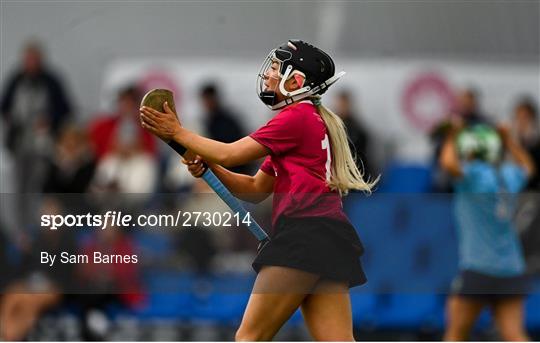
x: 308, y: 93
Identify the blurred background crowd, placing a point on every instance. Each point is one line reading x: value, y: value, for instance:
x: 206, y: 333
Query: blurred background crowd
x: 72, y: 79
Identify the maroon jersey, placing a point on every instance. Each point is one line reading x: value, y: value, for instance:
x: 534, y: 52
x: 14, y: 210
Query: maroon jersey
x: 300, y: 161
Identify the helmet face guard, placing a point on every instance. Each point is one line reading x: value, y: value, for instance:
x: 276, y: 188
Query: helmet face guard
x: 269, y: 96
x: 312, y: 68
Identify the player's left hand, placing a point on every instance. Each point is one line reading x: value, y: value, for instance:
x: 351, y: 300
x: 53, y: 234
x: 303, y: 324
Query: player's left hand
x: 165, y: 125
x: 196, y: 166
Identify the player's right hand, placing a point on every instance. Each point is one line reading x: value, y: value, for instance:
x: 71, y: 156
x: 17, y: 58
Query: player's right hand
x: 196, y: 166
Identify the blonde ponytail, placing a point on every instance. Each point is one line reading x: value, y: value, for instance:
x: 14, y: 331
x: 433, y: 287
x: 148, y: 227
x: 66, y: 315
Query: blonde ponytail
x: 345, y: 174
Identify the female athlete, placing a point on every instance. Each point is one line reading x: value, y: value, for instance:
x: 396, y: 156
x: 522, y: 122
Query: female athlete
x: 491, y: 262
x: 313, y: 257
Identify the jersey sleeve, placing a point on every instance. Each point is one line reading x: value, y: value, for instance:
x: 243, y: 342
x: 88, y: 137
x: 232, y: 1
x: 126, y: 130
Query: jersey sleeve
x: 268, y: 167
x: 282, y: 133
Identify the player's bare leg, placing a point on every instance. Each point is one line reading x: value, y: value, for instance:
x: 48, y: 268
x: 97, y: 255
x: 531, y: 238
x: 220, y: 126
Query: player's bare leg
x: 461, y: 313
x: 509, y: 318
x: 327, y: 312
x: 20, y: 310
x: 277, y: 293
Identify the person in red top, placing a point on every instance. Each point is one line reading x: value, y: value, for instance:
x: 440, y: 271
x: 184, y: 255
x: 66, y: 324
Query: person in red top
x: 312, y: 258
x: 120, y: 131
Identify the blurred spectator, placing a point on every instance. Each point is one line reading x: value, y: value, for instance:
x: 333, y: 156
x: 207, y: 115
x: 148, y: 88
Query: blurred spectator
x: 209, y: 249
x: 468, y: 112
x: 125, y: 151
x: 197, y: 245
x: 121, y: 130
x: 6, y: 169
x: 72, y: 165
x: 359, y: 139
x: 528, y: 134
x: 37, y: 287
x: 491, y: 261
x: 528, y: 217
x: 469, y: 109
x: 7, y: 191
x: 33, y: 97
x: 117, y: 283
x: 176, y: 178
x: 200, y: 245
x: 33, y: 105
x: 113, y: 277
x: 219, y: 122
x: 130, y: 171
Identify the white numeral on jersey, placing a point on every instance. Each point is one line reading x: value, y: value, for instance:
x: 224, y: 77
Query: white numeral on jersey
x: 325, y: 144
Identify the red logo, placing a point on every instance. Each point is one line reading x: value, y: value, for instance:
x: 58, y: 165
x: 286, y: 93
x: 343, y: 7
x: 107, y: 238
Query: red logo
x: 427, y: 99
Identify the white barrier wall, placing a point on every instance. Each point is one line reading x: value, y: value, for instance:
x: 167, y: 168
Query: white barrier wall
x: 398, y: 100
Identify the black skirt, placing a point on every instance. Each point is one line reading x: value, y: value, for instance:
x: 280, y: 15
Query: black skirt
x: 323, y: 246
x: 486, y: 287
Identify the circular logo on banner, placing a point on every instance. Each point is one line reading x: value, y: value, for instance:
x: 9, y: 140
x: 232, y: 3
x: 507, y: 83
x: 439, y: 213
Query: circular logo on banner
x: 427, y: 99
x: 159, y: 79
